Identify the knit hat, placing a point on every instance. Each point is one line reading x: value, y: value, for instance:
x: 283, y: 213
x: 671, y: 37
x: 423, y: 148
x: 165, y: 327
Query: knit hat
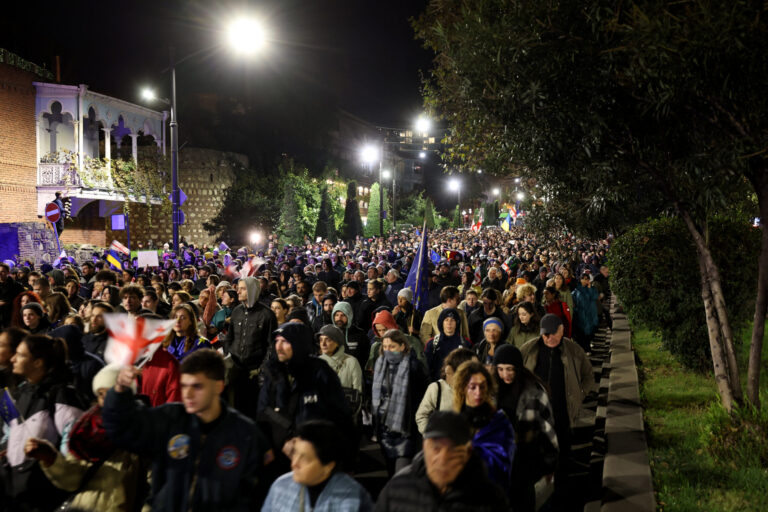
x: 406, y: 293
x: 450, y: 425
x: 37, y: 308
x: 493, y: 321
x: 107, y: 378
x: 508, y: 354
x: 332, y: 332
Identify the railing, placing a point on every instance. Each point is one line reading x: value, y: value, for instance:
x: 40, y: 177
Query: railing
x: 67, y: 175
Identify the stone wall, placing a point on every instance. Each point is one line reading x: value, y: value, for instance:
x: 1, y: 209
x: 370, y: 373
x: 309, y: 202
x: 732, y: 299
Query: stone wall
x: 204, y: 176
x: 28, y: 240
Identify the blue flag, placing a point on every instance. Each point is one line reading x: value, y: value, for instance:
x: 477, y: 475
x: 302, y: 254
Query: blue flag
x: 418, y: 277
x: 434, y: 256
x: 8, y: 411
x: 114, y: 259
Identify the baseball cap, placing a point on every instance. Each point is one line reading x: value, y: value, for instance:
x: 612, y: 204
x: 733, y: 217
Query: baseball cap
x: 550, y: 323
x: 450, y: 425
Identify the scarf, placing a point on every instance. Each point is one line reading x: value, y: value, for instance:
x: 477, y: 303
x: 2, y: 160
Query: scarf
x: 88, y: 439
x: 398, y: 393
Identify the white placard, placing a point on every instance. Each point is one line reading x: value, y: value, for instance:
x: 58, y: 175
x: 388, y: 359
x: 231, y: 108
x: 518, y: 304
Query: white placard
x: 147, y: 258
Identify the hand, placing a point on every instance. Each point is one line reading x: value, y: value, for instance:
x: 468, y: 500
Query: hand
x: 40, y: 450
x: 289, y: 446
x: 126, y: 377
x: 395, y: 310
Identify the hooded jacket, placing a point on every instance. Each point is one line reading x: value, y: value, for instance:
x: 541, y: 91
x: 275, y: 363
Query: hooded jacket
x: 85, y: 365
x: 250, y: 328
x: 357, y: 341
x: 442, y: 345
x: 300, y: 389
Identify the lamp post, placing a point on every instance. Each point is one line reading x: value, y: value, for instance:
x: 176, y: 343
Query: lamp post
x: 246, y: 36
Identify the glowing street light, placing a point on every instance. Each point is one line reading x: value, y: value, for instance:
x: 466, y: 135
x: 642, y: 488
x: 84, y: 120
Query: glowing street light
x: 520, y: 196
x: 423, y: 125
x: 148, y: 94
x: 255, y: 237
x: 246, y: 36
x: 386, y: 174
x: 369, y: 154
x: 496, y: 192
x: 422, y: 155
x: 455, y: 186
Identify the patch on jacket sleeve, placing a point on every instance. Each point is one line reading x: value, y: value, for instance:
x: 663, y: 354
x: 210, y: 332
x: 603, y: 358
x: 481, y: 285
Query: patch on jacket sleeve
x: 178, y: 446
x: 228, y: 458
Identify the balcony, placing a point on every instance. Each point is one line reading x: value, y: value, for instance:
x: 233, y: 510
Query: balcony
x: 60, y: 170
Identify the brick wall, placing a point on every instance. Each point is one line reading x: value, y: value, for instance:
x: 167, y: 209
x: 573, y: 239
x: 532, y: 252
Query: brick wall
x: 18, y: 153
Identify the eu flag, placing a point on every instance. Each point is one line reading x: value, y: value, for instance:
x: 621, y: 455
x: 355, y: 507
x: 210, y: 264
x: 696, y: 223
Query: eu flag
x: 8, y: 411
x: 418, y: 277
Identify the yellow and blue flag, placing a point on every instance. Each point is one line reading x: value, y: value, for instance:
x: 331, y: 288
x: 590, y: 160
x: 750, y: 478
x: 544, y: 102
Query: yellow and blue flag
x: 114, y: 259
x: 8, y: 411
x: 507, y: 222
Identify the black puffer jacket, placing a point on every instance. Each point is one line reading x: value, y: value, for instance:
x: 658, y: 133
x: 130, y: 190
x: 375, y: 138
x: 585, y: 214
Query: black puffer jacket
x: 411, y: 490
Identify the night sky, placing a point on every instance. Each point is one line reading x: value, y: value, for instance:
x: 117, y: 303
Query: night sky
x: 358, y: 55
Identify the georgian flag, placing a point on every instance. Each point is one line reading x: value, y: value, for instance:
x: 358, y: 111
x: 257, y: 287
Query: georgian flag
x: 251, y: 266
x: 133, y: 340
x: 478, y: 277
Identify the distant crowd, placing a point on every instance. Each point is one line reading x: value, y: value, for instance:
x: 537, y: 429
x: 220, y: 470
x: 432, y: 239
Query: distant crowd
x: 283, y: 360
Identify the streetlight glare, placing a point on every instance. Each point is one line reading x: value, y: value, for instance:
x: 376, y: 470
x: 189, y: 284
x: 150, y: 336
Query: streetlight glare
x: 255, y: 237
x: 423, y: 155
x: 246, y: 35
x: 148, y: 94
x: 453, y: 185
x: 496, y: 191
x: 520, y: 196
x: 423, y: 124
x: 386, y: 174
x: 369, y: 154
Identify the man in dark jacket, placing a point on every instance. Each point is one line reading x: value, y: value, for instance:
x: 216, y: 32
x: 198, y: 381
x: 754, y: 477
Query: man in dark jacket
x: 205, y: 456
x: 247, y: 342
x: 298, y: 387
x: 355, y: 299
x: 375, y: 300
x: 95, y: 341
x: 445, y: 476
x: 394, y: 285
x: 9, y: 289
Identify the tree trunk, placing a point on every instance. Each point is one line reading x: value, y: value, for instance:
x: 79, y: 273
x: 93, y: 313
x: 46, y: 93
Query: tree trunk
x: 718, y: 360
x: 713, y: 280
x: 760, y: 182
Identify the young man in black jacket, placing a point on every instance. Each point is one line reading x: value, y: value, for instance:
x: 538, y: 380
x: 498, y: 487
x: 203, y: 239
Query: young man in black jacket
x: 205, y: 456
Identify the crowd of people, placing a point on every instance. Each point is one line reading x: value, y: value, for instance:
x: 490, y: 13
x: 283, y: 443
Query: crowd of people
x: 284, y: 359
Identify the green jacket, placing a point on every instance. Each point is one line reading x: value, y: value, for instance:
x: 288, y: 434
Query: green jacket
x: 579, y: 377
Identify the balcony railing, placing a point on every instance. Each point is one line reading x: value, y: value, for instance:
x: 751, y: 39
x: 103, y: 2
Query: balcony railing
x: 58, y: 170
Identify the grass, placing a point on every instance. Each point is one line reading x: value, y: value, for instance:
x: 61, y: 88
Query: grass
x: 680, y: 407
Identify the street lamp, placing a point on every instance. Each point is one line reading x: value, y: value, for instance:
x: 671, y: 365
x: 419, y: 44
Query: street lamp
x: 496, y: 192
x: 245, y: 36
x: 423, y: 125
x: 520, y: 196
x: 422, y: 155
x: 255, y: 238
x: 455, y: 185
x: 369, y: 155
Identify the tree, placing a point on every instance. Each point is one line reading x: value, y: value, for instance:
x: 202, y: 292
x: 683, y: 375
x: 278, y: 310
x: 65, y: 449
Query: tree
x: 300, y: 203
x: 458, y: 220
x: 372, y: 226
x: 326, y: 227
x: 429, y: 214
x: 615, y: 113
x: 353, y: 224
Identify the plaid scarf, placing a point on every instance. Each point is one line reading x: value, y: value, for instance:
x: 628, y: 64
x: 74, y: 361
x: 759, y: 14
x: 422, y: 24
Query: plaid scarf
x: 398, y: 392
x: 88, y: 440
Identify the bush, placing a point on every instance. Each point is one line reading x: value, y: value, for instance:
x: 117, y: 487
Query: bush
x: 655, y: 271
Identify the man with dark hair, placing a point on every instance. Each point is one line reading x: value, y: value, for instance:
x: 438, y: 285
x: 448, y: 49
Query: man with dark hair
x: 130, y: 298
x: 195, y: 446
x: 375, y: 300
x: 95, y: 341
x: 106, y: 278
x: 449, y: 298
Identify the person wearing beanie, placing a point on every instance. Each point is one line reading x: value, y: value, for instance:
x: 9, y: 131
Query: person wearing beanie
x: 34, y: 319
x: 407, y: 317
x: 115, y: 472
x: 298, y: 387
x: 490, y: 308
x: 343, y: 316
x: 332, y: 350
x: 567, y: 374
x: 247, y: 342
x: 448, y: 339
x: 522, y: 396
x: 493, y: 329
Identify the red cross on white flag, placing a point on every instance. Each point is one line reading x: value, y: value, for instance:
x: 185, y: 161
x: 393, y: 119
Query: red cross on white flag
x: 133, y: 339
